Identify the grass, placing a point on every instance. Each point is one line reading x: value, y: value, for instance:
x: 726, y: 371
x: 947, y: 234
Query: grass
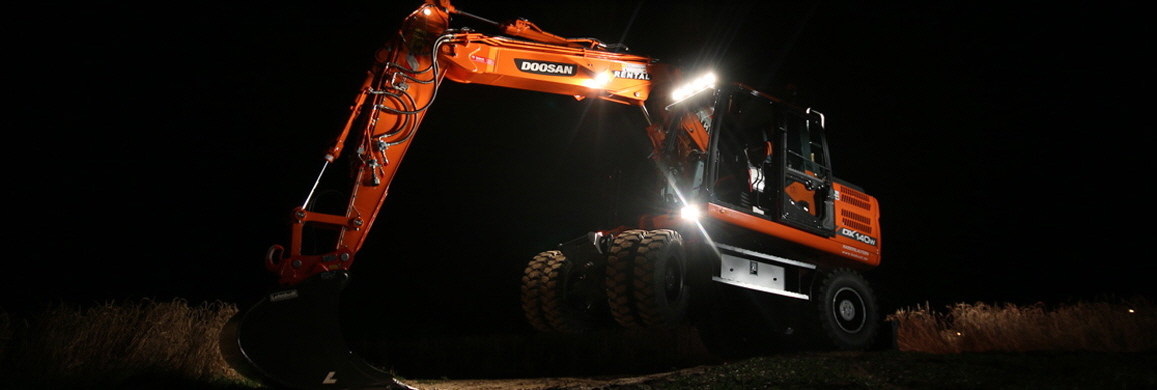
x: 151, y: 344
x: 1102, y: 326
x: 116, y: 345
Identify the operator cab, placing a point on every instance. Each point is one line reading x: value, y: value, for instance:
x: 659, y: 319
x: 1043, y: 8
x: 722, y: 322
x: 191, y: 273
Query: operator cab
x: 752, y: 153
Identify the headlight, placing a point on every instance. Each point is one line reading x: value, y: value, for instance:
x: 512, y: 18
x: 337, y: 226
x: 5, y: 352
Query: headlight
x: 690, y: 212
x: 695, y: 86
x: 600, y: 80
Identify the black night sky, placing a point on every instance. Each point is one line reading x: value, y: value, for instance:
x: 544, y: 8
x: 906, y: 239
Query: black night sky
x: 159, y: 149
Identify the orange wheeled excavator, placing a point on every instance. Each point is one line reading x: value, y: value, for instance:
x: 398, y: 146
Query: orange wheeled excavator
x: 740, y: 196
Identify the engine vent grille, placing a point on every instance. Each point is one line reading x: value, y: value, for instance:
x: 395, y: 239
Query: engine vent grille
x: 855, y: 198
x: 856, y: 221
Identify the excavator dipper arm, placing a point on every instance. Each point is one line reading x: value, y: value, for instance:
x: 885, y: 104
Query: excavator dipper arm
x: 292, y: 337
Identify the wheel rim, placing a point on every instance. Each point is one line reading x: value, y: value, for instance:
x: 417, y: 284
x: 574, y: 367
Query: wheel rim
x: 673, y: 280
x: 577, y: 289
x: 848, y: 310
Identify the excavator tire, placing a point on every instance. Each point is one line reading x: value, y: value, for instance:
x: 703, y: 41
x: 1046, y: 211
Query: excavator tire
x: 561, y: 300
x: 558, y: 303
x: 848, y: 313
x: 620, y: 281
x: 532, y: 279
x: 660, y: 280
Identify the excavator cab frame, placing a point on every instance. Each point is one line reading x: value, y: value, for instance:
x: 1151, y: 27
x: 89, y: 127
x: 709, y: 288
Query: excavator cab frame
x: 762, y: 165
x: 778, y: 152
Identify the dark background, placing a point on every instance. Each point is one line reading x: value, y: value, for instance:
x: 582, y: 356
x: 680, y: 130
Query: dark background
x: 158, y: 149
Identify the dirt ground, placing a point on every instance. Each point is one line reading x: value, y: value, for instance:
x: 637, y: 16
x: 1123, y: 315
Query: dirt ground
x: 571, y: 383
x: 867, y: 371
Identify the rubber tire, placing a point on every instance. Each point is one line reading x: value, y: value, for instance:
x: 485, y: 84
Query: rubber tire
x: 661, y: 289
x: 532, y: 278
x: 847, y: 310
x: 555, y: 299
x: 620, y: 280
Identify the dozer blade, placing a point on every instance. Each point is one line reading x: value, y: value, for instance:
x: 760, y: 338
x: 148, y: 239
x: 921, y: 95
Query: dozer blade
x: 292, y: 339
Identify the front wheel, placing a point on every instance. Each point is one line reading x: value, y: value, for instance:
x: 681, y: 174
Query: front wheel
x: 661, y: 290
x: 847, y: 310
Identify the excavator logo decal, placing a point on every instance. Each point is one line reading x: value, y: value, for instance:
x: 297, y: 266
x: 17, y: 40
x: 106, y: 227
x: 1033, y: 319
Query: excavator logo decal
x: 482, y: 60
x: 631, y: 75
x: 545, y: 68
x: 861, y: 237
x: 282, y: 295
x: 634, y: 72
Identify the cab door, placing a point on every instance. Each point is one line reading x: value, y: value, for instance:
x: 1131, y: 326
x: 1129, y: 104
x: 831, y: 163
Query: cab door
x: 770, y: 159
x: 805, y: 196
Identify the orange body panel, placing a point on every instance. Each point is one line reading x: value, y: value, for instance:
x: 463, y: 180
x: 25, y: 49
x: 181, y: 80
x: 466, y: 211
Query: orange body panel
x: 579, y: 72
x: 859, y: 213
x: 862, y: 253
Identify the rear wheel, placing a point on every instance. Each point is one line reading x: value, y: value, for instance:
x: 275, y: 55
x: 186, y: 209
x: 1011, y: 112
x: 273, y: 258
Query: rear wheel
x: 848, y: 314
x: 558, y: 294
x: 532, y: 278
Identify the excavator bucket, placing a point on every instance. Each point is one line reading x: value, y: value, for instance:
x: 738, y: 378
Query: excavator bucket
x: 292, y: 339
